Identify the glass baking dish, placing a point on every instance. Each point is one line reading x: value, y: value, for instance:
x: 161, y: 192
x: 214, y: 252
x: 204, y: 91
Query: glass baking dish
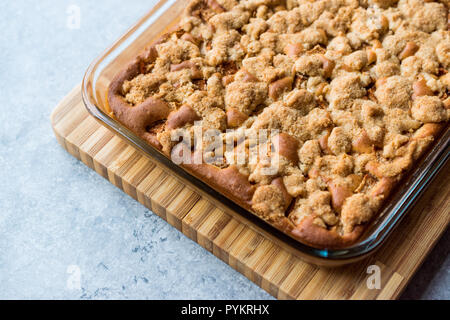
x: 161, y: 19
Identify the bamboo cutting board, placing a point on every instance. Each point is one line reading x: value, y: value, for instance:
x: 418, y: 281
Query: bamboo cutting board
x: 267, y: 263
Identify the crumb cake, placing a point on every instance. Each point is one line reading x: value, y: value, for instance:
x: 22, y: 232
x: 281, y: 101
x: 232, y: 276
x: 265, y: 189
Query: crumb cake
x: 351, y: 92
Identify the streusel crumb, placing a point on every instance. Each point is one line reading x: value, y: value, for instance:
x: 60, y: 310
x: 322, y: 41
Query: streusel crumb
x: 357, y: 90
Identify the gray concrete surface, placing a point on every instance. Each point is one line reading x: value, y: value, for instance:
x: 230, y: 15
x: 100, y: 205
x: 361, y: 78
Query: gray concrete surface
x: 65, y: 232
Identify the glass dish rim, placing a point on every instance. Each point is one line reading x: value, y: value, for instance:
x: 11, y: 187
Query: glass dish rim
x: 392, y: 214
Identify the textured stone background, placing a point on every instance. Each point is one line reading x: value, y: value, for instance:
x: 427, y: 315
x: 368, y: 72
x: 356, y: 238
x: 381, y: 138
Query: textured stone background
x: 55, y: 212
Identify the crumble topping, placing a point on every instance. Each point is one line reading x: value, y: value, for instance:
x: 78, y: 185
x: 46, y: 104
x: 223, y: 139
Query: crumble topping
x: 358, y: 90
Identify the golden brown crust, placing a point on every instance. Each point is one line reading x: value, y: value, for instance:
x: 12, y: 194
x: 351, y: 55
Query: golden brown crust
x: 181, y: 117
x: 310, y: 233
x: 383, y: 187
x: 420, y: 88
x: 286, y: 146
x: 138, y: 119
x: 354, y: 104
x: 286, y: 196
x: 362, y: 143
x: 228, y: 180
x: 235, y: 118
x: 276, y: 88
x: 428, y: 130
x: 339, y: 193
x: 409, y: 50
x: 293, y: 49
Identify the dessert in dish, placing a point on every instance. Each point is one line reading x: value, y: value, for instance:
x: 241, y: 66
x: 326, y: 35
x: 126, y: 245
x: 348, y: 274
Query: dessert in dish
x: 351, y: 93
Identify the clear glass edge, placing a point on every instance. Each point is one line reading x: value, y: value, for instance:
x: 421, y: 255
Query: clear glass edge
x: 391, y: 215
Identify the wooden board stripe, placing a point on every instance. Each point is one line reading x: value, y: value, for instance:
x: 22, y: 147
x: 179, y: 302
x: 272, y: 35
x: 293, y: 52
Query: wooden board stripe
x: 268, y: 264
